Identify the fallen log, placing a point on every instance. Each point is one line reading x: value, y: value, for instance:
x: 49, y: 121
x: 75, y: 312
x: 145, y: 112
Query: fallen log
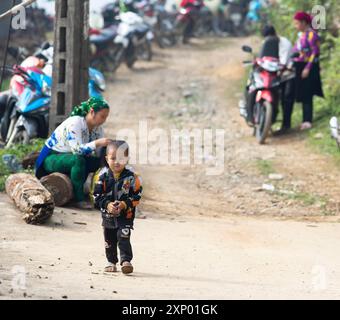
x: 60, y: 186
x: 31, y: 197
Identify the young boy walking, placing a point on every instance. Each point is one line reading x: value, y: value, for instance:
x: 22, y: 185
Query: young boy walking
x: 116, y: 194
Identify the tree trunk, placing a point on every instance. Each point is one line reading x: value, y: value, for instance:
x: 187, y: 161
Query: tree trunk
x: 31, y: 197
x: 60, y: 187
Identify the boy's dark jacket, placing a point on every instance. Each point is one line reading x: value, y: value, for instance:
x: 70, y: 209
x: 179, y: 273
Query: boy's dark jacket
x: 126, y: 188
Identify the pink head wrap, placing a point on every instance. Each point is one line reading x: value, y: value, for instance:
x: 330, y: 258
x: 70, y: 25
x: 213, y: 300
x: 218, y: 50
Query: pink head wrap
x: 303, y: 16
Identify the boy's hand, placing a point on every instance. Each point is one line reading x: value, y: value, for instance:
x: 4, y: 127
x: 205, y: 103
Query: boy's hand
x: 120, y: 205
x: 113, y: 209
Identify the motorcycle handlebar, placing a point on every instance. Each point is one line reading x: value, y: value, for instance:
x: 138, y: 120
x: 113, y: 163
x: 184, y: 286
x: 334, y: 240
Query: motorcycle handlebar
x: 6, y: 67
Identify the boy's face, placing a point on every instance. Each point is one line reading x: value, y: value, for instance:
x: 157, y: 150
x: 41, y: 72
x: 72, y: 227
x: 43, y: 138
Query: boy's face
x: 117, y: 159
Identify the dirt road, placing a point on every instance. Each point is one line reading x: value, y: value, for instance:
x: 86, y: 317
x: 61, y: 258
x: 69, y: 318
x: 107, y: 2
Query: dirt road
x: 204, y: 236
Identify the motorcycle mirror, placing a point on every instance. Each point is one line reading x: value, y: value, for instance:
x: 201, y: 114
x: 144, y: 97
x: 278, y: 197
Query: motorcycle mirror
x: 247, y: 49
x: 45, y: 45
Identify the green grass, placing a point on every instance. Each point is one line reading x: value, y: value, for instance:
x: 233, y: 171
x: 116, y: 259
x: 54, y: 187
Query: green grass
x: 20, y: 151
x: 308, y: 199
x: 5, y: 85
x: 324, y: 143
x: 265, y: 167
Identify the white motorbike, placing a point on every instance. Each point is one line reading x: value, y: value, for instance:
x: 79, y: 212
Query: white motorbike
x: 134, y: 38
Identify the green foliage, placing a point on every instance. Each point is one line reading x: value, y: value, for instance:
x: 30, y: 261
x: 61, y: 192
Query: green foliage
x: 332, y: 79
x: 20, y: 151
x: 5, y: 84
x: 281, y: 16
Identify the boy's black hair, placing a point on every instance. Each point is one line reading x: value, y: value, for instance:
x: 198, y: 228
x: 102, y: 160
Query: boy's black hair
x: 268, y: 30
x: 118, y: 144
x: 102, y: 157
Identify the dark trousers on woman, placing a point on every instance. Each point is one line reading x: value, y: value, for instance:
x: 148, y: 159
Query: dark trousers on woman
x: 118, y: 238
x: 306, y: 89
x: 307, y: 109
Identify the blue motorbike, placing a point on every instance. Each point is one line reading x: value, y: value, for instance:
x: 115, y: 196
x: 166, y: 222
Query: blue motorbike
x: 254, y: 14
x: 29, y: 117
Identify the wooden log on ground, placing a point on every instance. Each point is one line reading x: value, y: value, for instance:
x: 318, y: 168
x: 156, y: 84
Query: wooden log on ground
x: 31, y: 197
x: 60, y: 186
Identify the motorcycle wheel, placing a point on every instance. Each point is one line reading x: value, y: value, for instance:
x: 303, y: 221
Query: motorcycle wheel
x: 99, y: 64
x: 179, y: 28
x: 165, y: 34
x: 263, y: 125
x: 116, y: 57
x: 130, y: 61
x: 18, y: 137
x: 166, y: 41
x: 145, y: 51
x: 3, y: 104
x: 130, y: 56
x: 6, y: 120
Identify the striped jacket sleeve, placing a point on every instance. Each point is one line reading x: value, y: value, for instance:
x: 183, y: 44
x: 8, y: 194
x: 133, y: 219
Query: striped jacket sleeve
x: 101, y: 200
x: 314, y: 44
x: 135, y: 193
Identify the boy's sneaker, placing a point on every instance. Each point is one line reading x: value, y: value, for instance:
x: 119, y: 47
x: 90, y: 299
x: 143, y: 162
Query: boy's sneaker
x: 111, y: 267
x: 127, y: 267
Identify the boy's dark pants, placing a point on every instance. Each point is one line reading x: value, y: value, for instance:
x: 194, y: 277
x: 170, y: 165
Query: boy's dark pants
x: 118, y: 238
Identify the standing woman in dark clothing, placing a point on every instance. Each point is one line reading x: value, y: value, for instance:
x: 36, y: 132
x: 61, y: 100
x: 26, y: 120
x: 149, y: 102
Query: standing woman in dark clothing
x: 308, y: 79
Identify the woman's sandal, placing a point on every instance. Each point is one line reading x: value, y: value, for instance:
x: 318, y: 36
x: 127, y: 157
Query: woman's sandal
x: 306, y: 126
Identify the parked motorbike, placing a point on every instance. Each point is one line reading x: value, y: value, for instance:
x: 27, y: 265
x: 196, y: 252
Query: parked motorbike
x: 33, y: 79
x: 186, y: 19
x: 103, y: 48
x: 133, y: 39
x: 234, y: 13
x: 29, y: 116
x: 263, y: 92
x: 204, y: 23
x: 9, y: 99
x: 256, y: 16
x: 159, y: 20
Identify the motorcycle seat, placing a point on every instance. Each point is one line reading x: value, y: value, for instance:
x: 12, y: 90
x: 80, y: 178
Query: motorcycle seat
x: 142, y: 29
x: 105, y: 35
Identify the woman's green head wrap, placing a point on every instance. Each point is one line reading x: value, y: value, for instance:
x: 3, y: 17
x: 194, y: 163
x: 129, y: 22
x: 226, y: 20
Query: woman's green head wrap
x: 84, y: 108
